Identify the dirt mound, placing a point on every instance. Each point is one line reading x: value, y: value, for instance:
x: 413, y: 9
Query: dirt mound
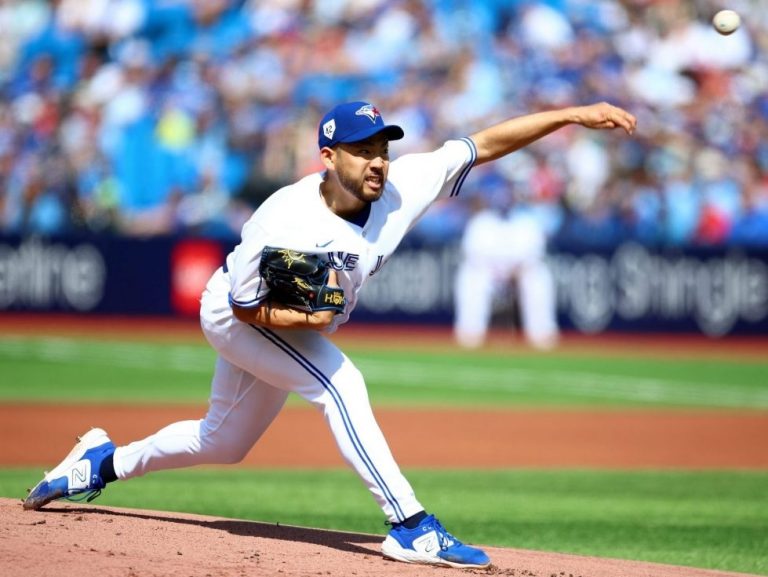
x: 67, y: 539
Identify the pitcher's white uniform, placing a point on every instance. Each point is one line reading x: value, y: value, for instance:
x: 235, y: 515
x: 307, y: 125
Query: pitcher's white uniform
x: 257, y: 367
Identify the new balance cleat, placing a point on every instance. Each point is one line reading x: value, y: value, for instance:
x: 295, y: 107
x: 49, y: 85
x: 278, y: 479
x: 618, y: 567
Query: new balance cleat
x: 429, y: 543
x: 77, y: 476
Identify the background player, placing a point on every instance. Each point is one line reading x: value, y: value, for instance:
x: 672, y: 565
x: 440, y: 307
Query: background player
x: 356, y: 212
x: 502, y: 249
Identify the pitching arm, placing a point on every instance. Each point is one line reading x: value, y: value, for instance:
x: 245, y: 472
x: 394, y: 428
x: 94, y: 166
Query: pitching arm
x: 516, y: 133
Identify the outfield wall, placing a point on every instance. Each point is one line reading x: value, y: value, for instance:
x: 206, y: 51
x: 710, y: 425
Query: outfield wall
x: 630, y: 288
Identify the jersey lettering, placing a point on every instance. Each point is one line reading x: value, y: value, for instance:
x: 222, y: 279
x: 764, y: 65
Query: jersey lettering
x: 343, y: 261
x: 379, y: 263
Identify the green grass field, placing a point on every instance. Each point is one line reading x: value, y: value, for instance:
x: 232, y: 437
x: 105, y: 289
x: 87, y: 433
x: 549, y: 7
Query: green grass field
x: 716, y: 520
x: 132, y: 371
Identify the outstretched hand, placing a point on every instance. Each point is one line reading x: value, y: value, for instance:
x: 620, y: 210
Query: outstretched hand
x: 604, y: 115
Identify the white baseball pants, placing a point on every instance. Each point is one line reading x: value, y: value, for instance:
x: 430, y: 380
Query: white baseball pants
x: 255, y: 371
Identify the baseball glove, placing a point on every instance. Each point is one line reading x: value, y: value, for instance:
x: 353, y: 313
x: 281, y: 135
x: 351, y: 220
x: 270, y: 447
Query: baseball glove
x: 299, y: 280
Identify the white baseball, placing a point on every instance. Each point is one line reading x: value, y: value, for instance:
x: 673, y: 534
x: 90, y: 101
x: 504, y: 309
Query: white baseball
x: 726, y: 22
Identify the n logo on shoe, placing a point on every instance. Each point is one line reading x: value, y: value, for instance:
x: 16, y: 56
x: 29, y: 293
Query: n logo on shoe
x: 427, y: 543
x: 80, y: 475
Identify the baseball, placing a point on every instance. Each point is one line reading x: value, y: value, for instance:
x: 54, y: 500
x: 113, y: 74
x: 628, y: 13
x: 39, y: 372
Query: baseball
x: 726, y: 22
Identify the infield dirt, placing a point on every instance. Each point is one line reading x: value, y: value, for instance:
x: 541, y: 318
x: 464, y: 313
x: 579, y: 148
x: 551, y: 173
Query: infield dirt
x: 112, y: 542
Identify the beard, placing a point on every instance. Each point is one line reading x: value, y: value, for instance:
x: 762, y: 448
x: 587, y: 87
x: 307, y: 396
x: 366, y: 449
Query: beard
x: 357, y: 188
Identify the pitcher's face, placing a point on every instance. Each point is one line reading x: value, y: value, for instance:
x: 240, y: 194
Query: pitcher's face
x: 362, y: 167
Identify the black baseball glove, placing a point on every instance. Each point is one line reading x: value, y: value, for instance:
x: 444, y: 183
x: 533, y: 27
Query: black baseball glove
x: 299, y: 280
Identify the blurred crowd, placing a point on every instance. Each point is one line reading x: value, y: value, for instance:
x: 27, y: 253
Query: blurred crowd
x: 155, y: 117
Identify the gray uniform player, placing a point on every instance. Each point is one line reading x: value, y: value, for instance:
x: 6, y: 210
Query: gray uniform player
x: 355, y: 212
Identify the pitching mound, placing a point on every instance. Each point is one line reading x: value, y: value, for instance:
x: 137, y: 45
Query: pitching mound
x: 67, y: 539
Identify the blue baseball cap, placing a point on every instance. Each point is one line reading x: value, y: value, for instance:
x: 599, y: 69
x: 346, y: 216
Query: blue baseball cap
x: 352, y: 122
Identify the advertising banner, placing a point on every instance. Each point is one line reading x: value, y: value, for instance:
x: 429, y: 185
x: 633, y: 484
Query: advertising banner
x: 630, y: 288
x: 106, y: 275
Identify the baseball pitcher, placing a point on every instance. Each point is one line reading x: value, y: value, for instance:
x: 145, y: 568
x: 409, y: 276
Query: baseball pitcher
x: 296, y: 274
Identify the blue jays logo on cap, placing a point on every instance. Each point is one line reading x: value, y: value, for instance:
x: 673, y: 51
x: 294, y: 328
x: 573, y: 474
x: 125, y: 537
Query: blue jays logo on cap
x: 370, y: 111
x: 352, y: 122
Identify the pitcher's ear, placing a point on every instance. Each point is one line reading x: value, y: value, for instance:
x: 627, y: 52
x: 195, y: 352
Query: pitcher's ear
x: 328, y: 157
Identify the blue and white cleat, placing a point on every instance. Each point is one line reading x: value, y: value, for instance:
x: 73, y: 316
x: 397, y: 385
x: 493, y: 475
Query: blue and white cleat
x: 431, y: 544
x: 77, y: 475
